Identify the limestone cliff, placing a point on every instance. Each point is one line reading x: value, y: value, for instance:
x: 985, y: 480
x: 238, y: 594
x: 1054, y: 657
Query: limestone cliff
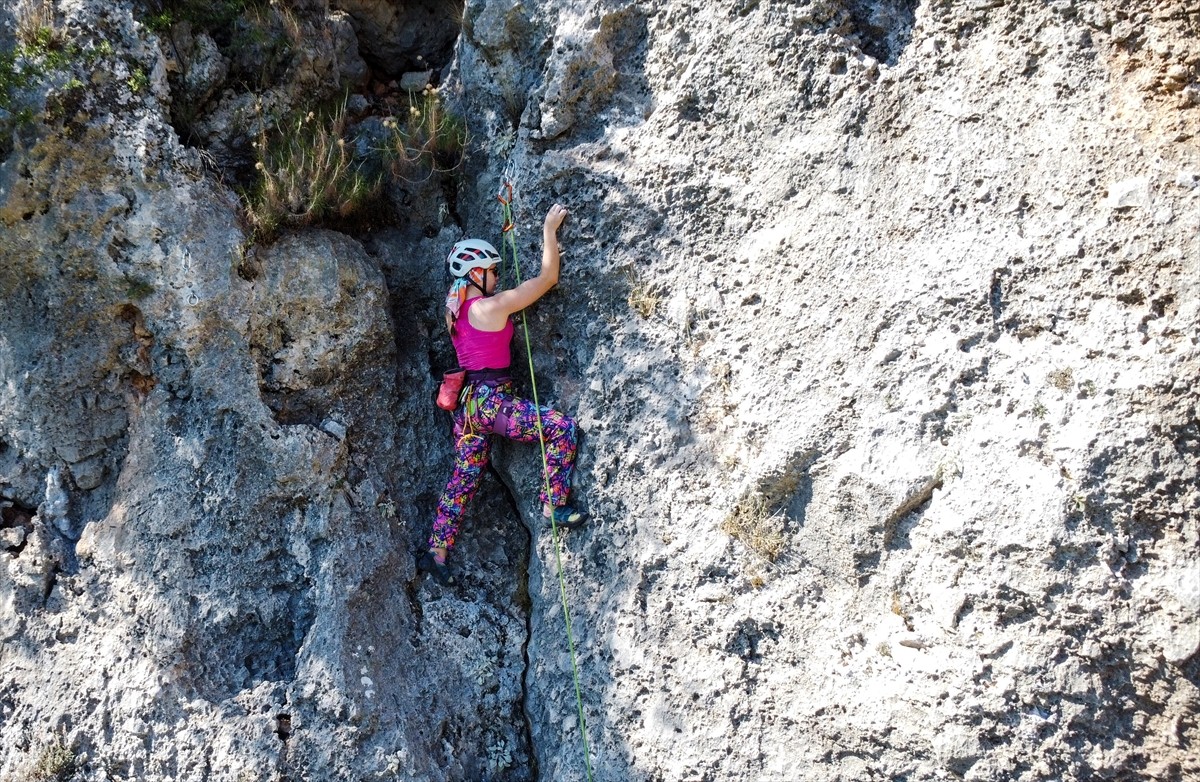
x: 880, y: 318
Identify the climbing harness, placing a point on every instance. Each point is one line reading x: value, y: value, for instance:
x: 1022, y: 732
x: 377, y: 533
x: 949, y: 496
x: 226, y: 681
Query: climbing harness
x: 506, y: 197
x: 479, y: 385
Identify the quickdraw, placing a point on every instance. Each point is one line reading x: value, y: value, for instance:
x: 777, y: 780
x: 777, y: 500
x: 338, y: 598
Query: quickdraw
x: 505, y: 197
x: 470, y: 410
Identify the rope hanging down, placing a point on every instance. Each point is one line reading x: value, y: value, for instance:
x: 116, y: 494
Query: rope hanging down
x: 509, y: 243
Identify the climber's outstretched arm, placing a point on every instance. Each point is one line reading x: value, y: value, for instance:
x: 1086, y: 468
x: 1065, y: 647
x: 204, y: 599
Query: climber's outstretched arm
x: 494, y: 310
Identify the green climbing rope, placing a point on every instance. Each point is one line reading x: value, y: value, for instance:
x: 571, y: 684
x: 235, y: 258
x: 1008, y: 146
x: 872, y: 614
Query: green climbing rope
x: 509, y: 241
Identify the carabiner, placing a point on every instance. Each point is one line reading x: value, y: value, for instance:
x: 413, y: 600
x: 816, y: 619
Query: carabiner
x: 505, y: 186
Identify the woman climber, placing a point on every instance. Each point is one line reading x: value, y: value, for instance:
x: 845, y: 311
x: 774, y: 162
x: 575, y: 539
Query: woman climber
x: 481, y: 330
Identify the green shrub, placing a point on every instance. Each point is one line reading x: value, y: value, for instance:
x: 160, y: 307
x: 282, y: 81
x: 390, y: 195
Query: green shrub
x: 14, y: 76
x: 212, y: 16
x: 41, y: 50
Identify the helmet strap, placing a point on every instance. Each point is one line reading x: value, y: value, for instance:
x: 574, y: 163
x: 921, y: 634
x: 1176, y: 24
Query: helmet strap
x: 480, y: 282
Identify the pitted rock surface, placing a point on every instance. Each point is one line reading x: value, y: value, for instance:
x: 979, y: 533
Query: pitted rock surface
x: 879, y: 319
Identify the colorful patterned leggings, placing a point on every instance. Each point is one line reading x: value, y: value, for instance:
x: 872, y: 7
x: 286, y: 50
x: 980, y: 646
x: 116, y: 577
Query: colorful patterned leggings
x: 473, y: 422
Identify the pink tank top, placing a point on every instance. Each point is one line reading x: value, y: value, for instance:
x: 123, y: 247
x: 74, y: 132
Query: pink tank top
x: 481, y: 349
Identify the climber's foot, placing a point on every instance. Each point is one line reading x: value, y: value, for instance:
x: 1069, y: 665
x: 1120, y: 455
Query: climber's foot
x: 435, y: 566
x: 566, y: 517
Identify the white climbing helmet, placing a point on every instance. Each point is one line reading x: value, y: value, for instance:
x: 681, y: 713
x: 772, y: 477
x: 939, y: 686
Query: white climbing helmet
x: 471, y: 254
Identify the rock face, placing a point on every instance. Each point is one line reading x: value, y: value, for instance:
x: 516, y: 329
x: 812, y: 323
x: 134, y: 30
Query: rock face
x: 880, y: 321
x: 396, y: 37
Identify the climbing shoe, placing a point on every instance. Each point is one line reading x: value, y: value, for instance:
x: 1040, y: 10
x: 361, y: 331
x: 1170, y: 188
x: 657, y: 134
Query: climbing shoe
x: 428, y: 563
x: 566, y: 517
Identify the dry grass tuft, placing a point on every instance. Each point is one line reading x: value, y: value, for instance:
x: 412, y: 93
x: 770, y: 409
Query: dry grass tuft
x: 427, y: 140
x: 35, y: 23
x: 643, y: 301
x: 752, y: 522
x: 308, y: 172
x: 641, y: 298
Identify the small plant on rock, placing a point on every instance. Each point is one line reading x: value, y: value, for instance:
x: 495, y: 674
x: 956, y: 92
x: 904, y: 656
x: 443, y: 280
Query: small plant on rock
x: 57, y: 763
x: 1062, y: 379
x: 643, y: 301
x: 26, y: 69
x: 308, y: 172
x: 138, y: 81
x: 428, y: 140
x: 752, y: 522
x: 35, y: 24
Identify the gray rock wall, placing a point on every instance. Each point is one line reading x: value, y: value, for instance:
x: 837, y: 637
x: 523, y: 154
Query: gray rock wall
x: 880, y: 320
